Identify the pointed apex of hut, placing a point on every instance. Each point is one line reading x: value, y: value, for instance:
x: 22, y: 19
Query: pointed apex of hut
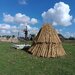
x: 47, y: 43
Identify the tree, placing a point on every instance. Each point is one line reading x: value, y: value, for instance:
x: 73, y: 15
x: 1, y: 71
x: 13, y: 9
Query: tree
x: 71, y: 38
x: 32, y: 36
x: 61, y: 37
x: 13, y: 36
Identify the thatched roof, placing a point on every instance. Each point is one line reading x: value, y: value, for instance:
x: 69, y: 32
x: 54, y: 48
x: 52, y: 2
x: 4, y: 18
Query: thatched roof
x: 47, y: 43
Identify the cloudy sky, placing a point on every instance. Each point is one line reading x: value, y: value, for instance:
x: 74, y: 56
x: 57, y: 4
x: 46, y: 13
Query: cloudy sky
x: 16, y: 14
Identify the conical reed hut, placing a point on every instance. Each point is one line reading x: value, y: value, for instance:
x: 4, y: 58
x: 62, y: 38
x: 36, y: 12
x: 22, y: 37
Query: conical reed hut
x: 47, y: 43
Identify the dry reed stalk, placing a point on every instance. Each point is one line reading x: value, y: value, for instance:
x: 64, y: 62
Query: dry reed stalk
x: 47, y: 43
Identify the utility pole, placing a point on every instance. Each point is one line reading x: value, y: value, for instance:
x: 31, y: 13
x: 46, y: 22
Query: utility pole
x: 18, y: 34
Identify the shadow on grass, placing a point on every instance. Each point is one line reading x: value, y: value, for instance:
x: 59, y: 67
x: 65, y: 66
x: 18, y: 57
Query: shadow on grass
x: 26, y: 50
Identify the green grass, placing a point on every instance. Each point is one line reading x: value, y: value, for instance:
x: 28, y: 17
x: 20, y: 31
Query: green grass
x: 19, y: 62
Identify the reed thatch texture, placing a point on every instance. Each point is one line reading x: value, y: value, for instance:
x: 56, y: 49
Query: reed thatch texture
x: 47, y: 43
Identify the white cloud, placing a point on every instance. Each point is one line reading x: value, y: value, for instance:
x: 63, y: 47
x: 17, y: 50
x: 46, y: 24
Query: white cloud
x: 58, y: 15
x: 23, y: 26
x: 19, y: 18
x: 31, y: 30
x: 23, y: 2
x: 5, y: 32
x: 14, y: 29
x: 8, y: 18
x: 68, y: 34
x: 22, y: 20
x: 34, y: 30
x: 34, y: 21
x: 59, y: 31
x: 6, y: 29
x: 8, y: 32
x: 4, y: 26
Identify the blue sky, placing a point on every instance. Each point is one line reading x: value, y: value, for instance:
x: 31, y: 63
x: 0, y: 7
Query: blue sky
x: 33, y: 9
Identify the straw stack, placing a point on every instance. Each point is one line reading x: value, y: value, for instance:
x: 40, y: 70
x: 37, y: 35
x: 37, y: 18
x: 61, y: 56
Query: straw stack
x: 47, y: 43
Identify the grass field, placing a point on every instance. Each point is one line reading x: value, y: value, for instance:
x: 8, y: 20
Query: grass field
x: 19, y: 62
